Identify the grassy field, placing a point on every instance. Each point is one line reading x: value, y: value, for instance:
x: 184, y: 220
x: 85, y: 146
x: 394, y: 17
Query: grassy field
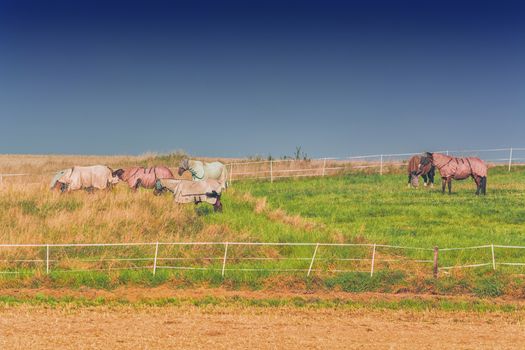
x: 351, y: 208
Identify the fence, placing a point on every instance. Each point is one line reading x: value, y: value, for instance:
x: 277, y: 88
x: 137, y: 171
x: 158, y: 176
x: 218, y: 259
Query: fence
x: 223, y: 257
x: 376, y: 163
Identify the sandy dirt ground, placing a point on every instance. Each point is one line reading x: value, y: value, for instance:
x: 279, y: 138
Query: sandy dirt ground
x: 39, y: 327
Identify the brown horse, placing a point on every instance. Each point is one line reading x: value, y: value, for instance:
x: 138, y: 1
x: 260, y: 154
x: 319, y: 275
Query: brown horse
x: 145, y: 177
x: 427, y: 173
x: 457, y: 169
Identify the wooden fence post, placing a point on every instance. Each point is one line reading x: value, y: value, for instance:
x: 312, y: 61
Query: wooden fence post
x: 324, y: 166
x: 155, y: 259
x: 381, y: 166
x: 436, y: 254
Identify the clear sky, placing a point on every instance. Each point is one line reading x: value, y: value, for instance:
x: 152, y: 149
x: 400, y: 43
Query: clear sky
x: 237, y: 78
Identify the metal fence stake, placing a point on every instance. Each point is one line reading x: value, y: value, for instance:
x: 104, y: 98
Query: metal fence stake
x: 373, y: 261
x: 155, y: 259
x: 493, y: 257
x: 312, y: 262
x: 47, y: 259
x: 224, y: 259
x: 510, y: 158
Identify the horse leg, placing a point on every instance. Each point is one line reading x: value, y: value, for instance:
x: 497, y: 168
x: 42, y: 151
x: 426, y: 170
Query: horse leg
x: 443, y: 184
x: 425, y: 180
x: 477, y: 180
x: 137, y: 185
x: 217, y: 207
x: 450, y: 185
x: 484, y: 185
x: 409, y: 180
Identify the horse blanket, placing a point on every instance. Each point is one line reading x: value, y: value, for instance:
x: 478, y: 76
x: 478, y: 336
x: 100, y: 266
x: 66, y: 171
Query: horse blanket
x: 78, y: 177
x: 145, y: 177
x: 459, y: 168
x: 186, y: 191
x: 201, y: 171
x: 414, y: 172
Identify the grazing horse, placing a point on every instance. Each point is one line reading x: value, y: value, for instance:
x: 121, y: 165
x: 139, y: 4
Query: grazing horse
x: 427, y: 173
x: 87, y: 177
x: 145, y: 177
x: 457, y: 169
x: 186, y: 191
x: 203, y: 171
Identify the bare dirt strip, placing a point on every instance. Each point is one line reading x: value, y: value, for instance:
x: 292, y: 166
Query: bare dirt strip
x: 38, y: 327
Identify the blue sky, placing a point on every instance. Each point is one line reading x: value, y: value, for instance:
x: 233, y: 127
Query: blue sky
x: 238, y: 78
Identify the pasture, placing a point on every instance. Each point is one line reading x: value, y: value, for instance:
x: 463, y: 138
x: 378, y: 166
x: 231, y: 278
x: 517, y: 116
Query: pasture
x: 355, y: 208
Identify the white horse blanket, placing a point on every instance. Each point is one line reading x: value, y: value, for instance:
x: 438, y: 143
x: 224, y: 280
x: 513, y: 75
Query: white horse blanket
x: 201, y: 171
x: 78, y: 177
x: 186, y: 191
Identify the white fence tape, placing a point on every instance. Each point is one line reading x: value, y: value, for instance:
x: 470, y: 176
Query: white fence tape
x: 52, y: 263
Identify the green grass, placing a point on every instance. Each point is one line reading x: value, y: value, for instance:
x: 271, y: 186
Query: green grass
x: 353, y: 208
x: 412, y: 303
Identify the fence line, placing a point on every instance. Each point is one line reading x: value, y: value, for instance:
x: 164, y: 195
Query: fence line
x: 280, y: 168
x: 273, y: 168
x: 158, y: 261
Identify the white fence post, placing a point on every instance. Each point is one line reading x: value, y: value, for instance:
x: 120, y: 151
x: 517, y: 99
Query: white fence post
x: 447, y: 152
x: 155, y: 259
x: 47, y: 259
x: 312, y: 262
x: 381, y: 167
x: 510, y: 158
x: 271, y: 170
x: 324, y: 166
x: 493, y: 257
x: 373, y: 261
x: 224, y: 259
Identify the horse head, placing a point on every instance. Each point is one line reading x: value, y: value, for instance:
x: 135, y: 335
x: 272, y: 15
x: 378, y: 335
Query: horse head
x: 118, y: 173
x: 426, y: 159
x: 183, y: 166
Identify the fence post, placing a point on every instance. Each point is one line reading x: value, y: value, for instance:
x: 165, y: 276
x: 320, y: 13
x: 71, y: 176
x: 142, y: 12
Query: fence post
x: 324, y: 166
x: 510, y: 158
x: 225, y: 257
x: 447, y: 152
x: 47, y: 259
x: 155, y: 259
x: 493, y: 257
x: 231, y: 173
x: 312, y: 262
x: 381, y: 166
x: 271, y: 170
x: 373, y: 261
x: 436, y: 254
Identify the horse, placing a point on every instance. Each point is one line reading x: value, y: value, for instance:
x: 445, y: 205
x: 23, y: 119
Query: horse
x: 145, y: 177
x: 457, y: 169
x: 87, y: 177
x: 428, y: 172
x: 187, y: 191
x: 203, y: 171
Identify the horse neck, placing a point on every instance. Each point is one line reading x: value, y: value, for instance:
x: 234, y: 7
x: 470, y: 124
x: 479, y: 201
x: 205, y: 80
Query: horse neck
x: 440, y: 160
x: 196, y: 168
